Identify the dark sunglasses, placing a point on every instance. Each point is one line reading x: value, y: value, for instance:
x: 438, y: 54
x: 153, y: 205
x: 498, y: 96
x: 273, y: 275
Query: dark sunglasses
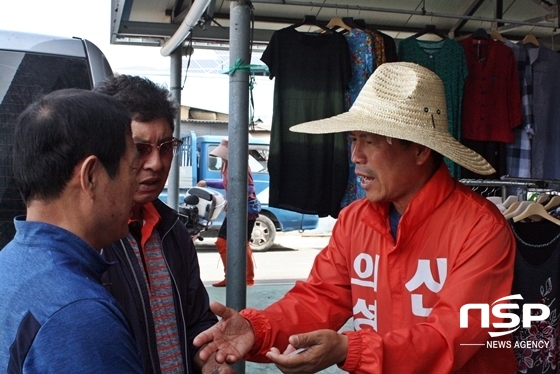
x: 167, y: 148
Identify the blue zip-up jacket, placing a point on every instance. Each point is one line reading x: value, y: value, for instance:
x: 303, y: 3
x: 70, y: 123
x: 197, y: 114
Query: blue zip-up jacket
x: 55, y: 316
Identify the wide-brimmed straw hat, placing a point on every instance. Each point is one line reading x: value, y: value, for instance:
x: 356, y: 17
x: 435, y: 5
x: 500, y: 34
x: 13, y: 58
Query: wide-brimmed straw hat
x: 403, y: 100
x: 221, y: 150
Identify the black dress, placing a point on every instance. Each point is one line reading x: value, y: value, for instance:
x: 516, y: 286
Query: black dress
x: 308, y: 173
x: 537, y: 279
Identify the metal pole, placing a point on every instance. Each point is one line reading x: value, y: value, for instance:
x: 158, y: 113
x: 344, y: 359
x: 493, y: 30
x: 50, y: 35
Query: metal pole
x: 238, y: 133
x: 499, y: 12
x: 175, y: 81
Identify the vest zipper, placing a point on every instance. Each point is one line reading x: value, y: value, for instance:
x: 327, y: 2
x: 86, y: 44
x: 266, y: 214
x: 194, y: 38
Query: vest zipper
x: 154, y: 365
x: 176, y: 287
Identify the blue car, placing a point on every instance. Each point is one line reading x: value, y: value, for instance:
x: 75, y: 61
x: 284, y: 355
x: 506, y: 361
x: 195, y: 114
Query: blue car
x: 270, y: 219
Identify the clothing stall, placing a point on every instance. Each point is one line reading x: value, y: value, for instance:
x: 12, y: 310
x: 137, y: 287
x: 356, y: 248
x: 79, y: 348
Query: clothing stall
x: 503, y: 100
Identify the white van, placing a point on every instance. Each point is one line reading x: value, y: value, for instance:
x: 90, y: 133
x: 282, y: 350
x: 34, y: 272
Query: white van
x: 30, y: 66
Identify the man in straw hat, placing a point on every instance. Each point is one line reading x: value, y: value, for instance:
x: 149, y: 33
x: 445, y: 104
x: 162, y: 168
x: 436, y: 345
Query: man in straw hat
x: 401, y: 262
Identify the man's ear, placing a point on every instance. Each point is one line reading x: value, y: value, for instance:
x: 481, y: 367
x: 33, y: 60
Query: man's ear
x: 422, y: 154
x: 89, y: 175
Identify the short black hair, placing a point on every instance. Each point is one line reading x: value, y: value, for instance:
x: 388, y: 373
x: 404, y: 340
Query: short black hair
x: 144, y: 99
x: 56, y: 132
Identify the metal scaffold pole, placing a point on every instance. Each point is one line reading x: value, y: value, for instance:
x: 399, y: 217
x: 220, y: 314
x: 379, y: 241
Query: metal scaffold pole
x: 238, y: 133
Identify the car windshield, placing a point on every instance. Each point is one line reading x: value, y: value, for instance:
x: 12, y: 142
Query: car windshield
x: 23, y: 78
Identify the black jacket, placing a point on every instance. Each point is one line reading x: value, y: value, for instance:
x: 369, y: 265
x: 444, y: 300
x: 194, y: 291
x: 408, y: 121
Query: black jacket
x: 125, y: 282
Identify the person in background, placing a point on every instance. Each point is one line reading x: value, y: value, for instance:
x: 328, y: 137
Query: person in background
x: 75, y: 165
x: 221, y: 151
x: 401, y: 262
x: 156, y: 274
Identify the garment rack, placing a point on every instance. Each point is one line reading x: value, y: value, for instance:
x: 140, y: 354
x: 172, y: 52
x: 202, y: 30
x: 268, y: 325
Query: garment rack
x: 526, y: 185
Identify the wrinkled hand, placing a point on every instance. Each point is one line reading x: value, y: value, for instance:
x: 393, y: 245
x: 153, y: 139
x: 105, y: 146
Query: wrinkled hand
x: 324, y: 348
x: 212, y: 367
x: 229, y: 339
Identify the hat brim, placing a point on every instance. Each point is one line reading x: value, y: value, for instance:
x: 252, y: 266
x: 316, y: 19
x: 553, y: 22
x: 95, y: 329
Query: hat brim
x: 440, y: 142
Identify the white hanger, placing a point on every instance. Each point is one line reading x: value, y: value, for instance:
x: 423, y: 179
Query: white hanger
x: 495, y: 199
x: 535, y: 209
x: 510, y: 200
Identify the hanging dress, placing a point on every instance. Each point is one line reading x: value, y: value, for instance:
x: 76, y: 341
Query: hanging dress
x: 446, y: 58
x: 492, y: 102
x: 537, y: 279
x: 361, y: 46
x: 308, y: 172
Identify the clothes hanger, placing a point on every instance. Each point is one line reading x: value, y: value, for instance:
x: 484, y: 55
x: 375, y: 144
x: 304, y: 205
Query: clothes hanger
x: 535, y: 209
x: 518, y: 209
x: 552, y: 203
x: 511, y: 208
x: 362, y: 25
x: 510, y: 200
x: 531, y: 39
x: 494, y: 34
x: 353, y: 23
x: 480, y: 34
x: 312, y: 21
x: 543, y: 198
x: 478, y: 37
x: 336, y: 23
x: 429, y: 29
x: 495, y: 199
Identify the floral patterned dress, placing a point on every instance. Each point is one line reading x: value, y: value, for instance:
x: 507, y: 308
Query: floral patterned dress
x: 361, y: 46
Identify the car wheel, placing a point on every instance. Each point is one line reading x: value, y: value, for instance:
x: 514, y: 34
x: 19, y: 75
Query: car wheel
x: 263, y: 234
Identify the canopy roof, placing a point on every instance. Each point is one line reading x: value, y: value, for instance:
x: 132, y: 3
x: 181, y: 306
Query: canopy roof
x: 150, y: 22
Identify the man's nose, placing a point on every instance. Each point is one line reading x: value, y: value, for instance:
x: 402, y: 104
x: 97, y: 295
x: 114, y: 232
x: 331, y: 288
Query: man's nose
x: 356, y: 156
x: 153, y: 160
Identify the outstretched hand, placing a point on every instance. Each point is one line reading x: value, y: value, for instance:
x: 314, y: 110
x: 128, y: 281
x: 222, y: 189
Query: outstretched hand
x: 322, y: 348
x: 230, y: 339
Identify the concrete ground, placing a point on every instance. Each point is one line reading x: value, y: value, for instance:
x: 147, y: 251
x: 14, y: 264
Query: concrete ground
x: 276, y: 271
x: 289, y: 259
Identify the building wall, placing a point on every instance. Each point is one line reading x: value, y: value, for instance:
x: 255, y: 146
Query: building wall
x: 215, y: 128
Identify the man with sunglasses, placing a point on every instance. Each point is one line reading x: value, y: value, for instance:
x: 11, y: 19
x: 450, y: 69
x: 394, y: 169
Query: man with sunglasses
x: 156, y: 275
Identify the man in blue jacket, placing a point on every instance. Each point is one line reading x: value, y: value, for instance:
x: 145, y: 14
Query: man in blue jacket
x: 75, y: 165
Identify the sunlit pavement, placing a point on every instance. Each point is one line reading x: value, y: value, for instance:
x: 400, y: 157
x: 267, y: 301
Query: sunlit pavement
x: 276, y: 271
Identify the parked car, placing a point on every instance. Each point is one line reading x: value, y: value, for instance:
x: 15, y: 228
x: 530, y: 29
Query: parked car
x: 197, y: 164
x: 32, y: 65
